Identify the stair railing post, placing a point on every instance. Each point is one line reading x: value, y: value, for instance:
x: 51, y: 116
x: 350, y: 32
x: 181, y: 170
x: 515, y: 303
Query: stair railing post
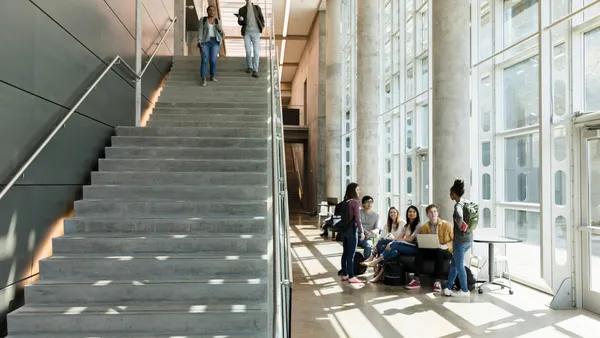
x: 138, y: 61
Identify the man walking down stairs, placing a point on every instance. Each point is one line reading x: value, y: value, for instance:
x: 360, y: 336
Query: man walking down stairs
x: 171, y: 237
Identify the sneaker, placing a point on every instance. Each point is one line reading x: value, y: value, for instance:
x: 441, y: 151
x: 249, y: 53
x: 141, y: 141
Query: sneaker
x: 354, y: 280
x: 255, y: 74
x: 437, y: 287
x: 461, y: 294
x: 345, y: 278
x: 249, y: 70
x: 447, y: 292
x: 414, y: 284
x: 203, y: 82
x: 214, y: 79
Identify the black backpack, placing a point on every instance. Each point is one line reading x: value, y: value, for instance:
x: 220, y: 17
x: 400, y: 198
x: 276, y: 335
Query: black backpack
x: 342, y: 213
x: 393, y: 274
x: 470, y: 281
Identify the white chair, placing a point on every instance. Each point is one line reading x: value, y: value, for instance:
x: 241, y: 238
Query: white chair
x: 323, y: 211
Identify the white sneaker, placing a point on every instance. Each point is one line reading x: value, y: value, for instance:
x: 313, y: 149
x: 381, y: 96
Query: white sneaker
x: 461, y: 294
x: 447, y: 292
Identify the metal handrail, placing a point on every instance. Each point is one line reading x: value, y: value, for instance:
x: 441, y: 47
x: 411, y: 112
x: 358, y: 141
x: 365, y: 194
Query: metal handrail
x: 117, y: 60
x: 282, y: 270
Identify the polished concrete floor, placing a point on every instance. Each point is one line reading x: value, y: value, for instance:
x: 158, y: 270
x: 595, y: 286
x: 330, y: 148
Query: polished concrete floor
x: 325, y: 307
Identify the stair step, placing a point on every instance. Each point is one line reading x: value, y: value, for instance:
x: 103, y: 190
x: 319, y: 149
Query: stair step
x: 129, y: 334
x: 201, y: 142
x: 190, y: 317
x: 210, y: 124
x: 212, y: 111
x: 174, y: 209
x: 206, y: 225
x: 197, y: 193
x: 177, y: 179
x: 193, y: 132
x: 168, y: 244
x: 213, y: 291
x: 220, y: 87
x: 140, y: 267
x: 214, y: 101
x: 185, y: 153
x: 225, y: 85
x: 209, y: 118
x: 165, y: 165
x: 215, y: 104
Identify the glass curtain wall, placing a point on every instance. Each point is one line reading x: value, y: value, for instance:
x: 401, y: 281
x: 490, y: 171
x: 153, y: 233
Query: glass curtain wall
x: 508, y: 108
x: 405, y: 114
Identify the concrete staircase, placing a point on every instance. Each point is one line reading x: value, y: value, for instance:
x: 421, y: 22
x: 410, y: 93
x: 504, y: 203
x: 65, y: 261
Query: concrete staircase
x: 171, y: 237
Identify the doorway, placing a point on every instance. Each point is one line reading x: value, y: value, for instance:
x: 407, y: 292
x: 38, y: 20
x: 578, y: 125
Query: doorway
x: 589, y: 228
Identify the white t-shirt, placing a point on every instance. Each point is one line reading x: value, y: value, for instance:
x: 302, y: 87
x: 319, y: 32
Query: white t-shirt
x: 384, y: 231
x: 212, y: 31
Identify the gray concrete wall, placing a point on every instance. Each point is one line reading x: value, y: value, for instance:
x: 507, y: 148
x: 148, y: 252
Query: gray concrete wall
x: 308, y: 70
x: 51, y: 51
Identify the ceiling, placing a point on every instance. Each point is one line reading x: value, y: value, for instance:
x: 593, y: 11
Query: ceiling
x: 302, y: 14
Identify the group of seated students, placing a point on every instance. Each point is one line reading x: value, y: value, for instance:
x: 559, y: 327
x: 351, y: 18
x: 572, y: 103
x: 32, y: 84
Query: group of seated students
x: 399, y: 237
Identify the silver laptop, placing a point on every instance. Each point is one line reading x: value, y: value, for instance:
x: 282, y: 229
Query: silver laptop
x: 427, y: 241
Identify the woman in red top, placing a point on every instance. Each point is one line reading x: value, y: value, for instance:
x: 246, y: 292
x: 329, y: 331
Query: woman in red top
x: 350, y: 234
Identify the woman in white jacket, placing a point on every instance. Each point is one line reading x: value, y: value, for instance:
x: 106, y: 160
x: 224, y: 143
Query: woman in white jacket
x: 394, y: 228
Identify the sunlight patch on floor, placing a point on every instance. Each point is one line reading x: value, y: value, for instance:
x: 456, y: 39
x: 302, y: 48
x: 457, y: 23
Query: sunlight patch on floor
x: 581, y: 325
x: 546, y: 332
x: 478, y: 313
x: 356, y: 325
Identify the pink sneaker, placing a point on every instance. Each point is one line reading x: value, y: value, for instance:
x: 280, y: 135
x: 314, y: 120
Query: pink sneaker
x: 414, y: 284
x: 344, y: 278
x: 437, y: 287
x: 355, y: 280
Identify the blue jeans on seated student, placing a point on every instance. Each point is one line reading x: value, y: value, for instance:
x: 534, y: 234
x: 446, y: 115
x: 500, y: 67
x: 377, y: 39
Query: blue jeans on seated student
x: 380, y: 246
x: 349, y: 241
x: 397, y: 248
x: 367, y: 245
x: 210, y: 50
x: 457, y: 266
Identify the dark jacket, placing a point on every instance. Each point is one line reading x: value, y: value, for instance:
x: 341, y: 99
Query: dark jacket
x: 260, y: 19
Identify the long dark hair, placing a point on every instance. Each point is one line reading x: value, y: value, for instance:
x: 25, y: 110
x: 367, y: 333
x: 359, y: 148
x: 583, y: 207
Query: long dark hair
x: 390, y: 221
x: 412, y: 224
x: 351, y: 192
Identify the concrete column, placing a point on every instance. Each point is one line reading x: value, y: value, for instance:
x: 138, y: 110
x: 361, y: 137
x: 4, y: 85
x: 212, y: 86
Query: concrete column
x: 179, y: 43
x: 333, y: 119
x: 321, y: 192
x: 367, y: 98
x: 450, y: 138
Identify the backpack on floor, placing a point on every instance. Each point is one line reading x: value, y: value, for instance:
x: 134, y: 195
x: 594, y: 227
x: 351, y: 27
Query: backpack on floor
x: 358, y: 269
x: 470, y: 215
x: 393, y: 274
x: 470, y: 281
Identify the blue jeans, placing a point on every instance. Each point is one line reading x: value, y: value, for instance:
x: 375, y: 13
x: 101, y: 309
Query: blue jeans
x: 252, y: 44
x: 210, y: 50
x: 397, y: 248
x: 349, y: 241
x: 457, y: 266
x: 381, y: 244
x: 367, y: 245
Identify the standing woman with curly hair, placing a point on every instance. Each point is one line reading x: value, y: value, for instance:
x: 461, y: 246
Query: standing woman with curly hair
x: 460, y: 244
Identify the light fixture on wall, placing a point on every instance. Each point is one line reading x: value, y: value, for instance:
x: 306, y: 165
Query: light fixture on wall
x: 286, y: 20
